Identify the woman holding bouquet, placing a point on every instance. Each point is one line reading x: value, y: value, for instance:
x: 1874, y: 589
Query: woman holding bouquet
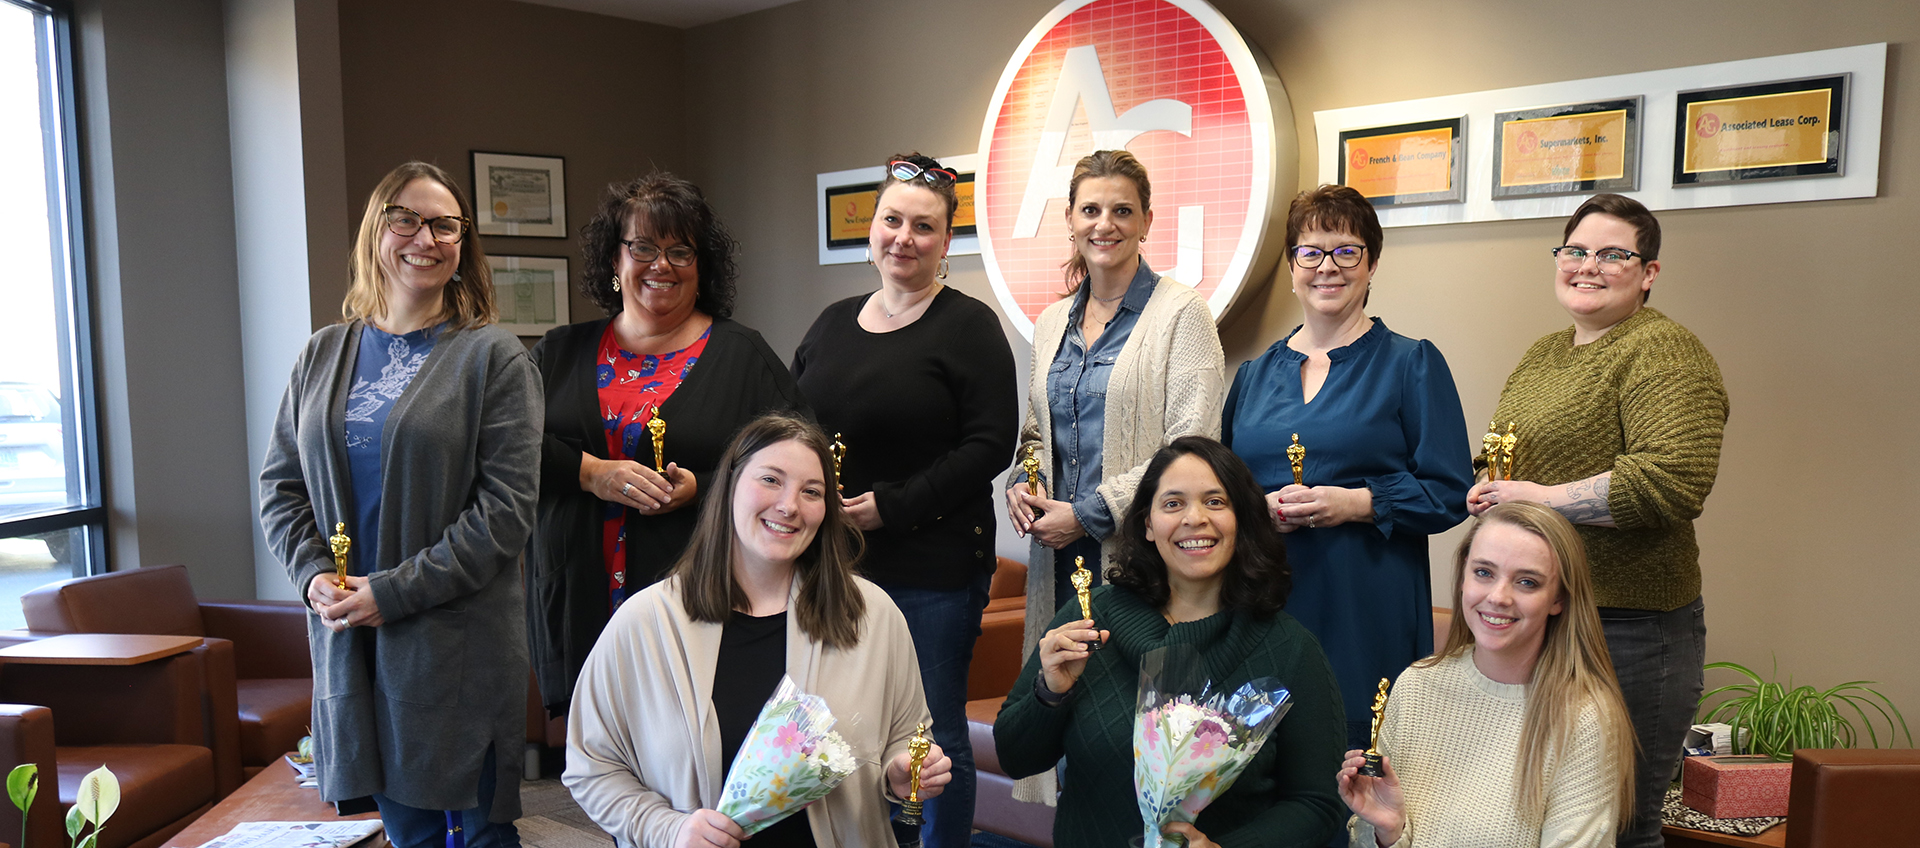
x: 1200, y: 565
x: 766, y: 590
x: 1515, y: 734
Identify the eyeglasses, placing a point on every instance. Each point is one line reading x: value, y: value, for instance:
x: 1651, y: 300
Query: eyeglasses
x: 1612, y: 260
x: 907, y: 172
x: 1344, y: 256
x: 404, y: 222
x: 679, y: 255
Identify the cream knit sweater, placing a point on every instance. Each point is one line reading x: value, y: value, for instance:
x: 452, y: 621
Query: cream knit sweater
x: 1452, y: 735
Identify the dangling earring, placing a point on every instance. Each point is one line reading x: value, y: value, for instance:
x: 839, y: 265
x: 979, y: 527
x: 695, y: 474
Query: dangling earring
x: 456, y: 277
x: 869, y: 254
x: 616, y: 282
x: 943, y: 269
x: 1143, y: 239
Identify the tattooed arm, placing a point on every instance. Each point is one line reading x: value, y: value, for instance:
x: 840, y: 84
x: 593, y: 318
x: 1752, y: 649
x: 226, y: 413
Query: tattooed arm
x: 1581, y: 501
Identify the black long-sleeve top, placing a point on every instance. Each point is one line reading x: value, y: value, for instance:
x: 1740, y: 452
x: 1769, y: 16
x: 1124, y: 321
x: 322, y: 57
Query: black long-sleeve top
x: 929, y: 415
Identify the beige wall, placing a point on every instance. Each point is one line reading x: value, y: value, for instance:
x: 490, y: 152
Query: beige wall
x: 1806, y: 305
x: 605, y: 93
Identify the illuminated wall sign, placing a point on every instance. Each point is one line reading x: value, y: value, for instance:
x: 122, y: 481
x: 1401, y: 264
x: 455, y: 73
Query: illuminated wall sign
x: 1173, y: 82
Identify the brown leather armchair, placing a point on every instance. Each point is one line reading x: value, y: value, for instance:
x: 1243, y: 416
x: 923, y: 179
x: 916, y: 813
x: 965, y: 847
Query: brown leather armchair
x: 271, y: 672
x: 152, y: 724
x: 1850, y: 796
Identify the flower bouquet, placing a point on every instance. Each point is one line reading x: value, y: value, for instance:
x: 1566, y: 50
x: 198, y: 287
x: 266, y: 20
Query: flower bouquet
x: 791, y: 758
x: 1189, y: 742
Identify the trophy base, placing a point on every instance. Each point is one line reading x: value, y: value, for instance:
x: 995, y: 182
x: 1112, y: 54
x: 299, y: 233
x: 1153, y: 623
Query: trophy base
x: 906, y: 826
x: 1095, y: 644
x: 1371, y: 768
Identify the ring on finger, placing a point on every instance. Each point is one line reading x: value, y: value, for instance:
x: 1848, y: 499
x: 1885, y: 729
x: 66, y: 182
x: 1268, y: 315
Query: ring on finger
x: 625, y: 489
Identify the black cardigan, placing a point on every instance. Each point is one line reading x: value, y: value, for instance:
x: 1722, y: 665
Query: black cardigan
x: 738, y: 378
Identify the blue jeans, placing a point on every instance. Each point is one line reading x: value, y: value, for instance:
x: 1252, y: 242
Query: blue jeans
x: 412, y: 827
x: 1657, y: 656
x: 945, y: 626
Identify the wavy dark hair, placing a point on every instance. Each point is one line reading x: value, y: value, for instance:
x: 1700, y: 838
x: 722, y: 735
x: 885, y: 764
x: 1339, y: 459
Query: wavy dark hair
x: 829, y: 606
x: 670, y: 206
x: 1257, y: 579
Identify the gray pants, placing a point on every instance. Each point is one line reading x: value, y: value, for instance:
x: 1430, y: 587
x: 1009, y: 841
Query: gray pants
x: 1657, y: 656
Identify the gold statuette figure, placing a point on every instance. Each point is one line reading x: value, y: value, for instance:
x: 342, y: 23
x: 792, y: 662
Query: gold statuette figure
x: 1371, y: 767
x: 839, y: 452
x: 1507, y: 443
x: 658, y: 429
x: 340, y: 544
x: 1031, y: 465
x: 1297, y: 457
x: 1490, y: 447
x: 1082, y: 581
x: 909, y: 815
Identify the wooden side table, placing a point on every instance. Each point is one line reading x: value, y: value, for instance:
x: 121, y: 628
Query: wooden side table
x: 275, y: 794
x: 98, y: 649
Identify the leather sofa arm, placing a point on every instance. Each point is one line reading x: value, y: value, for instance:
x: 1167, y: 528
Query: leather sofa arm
x: 26, y: 736
x: 269, y: 637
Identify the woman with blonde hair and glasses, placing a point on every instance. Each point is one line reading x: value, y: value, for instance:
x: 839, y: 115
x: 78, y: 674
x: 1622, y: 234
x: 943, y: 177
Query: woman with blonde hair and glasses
x: 408, y: 441
x: 1515, y: 734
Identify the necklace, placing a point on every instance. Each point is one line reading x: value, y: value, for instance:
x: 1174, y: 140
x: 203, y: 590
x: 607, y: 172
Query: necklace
x: 1106, y: 299
x: 933, y: 289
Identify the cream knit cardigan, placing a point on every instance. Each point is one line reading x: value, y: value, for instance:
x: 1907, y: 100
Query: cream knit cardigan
x: 1169, y: 381
x: 643, y: 744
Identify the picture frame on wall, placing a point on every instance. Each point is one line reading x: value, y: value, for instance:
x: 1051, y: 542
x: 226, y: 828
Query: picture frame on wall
x: 1571, y: 148
x: 1407, y: 164
x: 530, y: 292
x: 1784, y: 130
x: 848, y: 211
x: 519, y: 195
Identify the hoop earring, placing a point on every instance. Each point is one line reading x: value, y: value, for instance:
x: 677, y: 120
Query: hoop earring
x: 869, y: 255
x: 1143, y: 239
x: 943, y: 269
x: 616, y: 282
x: 1070, y: 237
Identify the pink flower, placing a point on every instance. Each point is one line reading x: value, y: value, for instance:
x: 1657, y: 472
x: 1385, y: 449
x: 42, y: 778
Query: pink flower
x: 1152, y: 731
x: 1206, y: 741
x: 788, y: 738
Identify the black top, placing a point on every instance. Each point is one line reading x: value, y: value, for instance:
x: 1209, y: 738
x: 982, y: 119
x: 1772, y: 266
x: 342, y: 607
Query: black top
x: 753, y: 658
x: 929, y: 415
x: 738, y: 378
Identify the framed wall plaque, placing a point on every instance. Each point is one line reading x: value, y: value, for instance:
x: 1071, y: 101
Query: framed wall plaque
x: 1407, y: 164
x: 848, y: 211
x: 530, y: 292
x: 1573, y: 148
x: 1766, y: 131
x: 515, y: 195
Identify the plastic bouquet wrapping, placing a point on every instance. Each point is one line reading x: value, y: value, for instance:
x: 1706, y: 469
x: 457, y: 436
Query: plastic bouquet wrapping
x: 791, y: 758
x: 1191, y: 742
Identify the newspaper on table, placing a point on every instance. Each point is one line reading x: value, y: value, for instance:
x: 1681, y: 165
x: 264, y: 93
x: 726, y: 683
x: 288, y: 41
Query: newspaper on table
x: 339, y: 834
x: 304, y: 771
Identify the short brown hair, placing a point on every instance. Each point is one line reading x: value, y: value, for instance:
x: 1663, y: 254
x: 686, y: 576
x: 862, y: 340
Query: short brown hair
x: 947, y: 193
x: 1335, y: 209
x: 1104, y: 163
x: 829, y: 606
x: 468, y: 301
x: 671, y: 206
x: 1646, y: 228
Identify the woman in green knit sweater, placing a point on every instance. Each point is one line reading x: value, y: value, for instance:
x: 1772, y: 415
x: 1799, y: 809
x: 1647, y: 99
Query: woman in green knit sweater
x: 1200, y: 565
x: 1619, y: 420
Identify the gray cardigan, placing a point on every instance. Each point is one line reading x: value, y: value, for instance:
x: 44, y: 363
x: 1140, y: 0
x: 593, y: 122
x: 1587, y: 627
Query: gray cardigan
x: 408, y: 709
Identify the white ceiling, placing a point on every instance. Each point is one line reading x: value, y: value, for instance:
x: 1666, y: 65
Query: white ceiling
x: 673, y: 13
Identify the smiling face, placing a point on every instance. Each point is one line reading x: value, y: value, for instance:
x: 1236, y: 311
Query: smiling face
x: 1192, y: 523
x: 909, y: 235
x: 658, y: 288
x: 1107, y: 223
x: 1329, y: 289
x: 416, y: 266
x: 1595, y: 300
x: 1509, y: 592
x: 778, y: 504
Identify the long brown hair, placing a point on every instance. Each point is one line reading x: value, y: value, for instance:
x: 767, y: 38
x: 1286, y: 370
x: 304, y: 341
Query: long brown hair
x: 1574, y: 671
x: 1103, y: 163
x: 830, y: 606
x: 468, y: 301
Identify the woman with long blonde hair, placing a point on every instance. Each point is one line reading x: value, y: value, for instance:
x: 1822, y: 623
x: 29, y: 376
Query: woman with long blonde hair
x: 1515, y: 733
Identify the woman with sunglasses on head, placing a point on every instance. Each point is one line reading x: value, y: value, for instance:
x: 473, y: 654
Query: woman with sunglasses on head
x: 1618, y: 422
x: 611, y: 521
x: 1199, y: 569
x: 917, y: 380
x: 407, y: 443
x: 765, y: 590
x: 1124, y: 363
x: 1386, y: 460
x: 1514, y: 735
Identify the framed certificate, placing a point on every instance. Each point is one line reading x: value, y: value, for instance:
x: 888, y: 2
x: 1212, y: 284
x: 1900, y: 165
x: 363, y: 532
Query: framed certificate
x: 1765, y: 131
x: 1573, y: 148
x: 530, y: 292
x: 1407, y: 164
x: 516, y: 195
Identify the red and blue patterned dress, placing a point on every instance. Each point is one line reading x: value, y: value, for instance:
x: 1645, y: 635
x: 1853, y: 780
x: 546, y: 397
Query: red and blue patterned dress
x: 632, y: 388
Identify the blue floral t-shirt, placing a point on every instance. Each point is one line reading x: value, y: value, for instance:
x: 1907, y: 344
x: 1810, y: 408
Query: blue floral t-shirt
x: 382, y: 369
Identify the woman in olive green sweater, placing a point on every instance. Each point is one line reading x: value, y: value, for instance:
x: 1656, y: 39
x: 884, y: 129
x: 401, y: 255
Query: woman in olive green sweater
x: 1619, y: 420
x: 1199, y: 565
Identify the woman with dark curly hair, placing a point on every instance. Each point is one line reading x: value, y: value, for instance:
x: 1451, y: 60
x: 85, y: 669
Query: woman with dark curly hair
x: 1199, y: 564
x: 611, y: 519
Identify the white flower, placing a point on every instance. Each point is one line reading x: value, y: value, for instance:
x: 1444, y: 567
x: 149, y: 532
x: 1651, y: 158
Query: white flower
x: 834, y: 755
x: 1180, y: 717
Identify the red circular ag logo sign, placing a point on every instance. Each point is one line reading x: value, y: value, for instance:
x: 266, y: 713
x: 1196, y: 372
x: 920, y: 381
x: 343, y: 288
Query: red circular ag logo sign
x: 1173, y: 82
x: 1708, y: 125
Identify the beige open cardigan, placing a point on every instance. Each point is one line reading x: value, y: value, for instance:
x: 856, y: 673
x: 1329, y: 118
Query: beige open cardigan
x: 643, y: 744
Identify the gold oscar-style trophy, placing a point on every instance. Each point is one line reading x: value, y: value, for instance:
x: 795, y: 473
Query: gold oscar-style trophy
x: 340, y: 545
x: 1031, y: 465
x: 909, y: 816
x: 658, y: 429
x: 1082, y: 580
x: 839, y: 452
x: 1297, y: 457
x: 1371, y: 767
x: 1490, y: 448
x: 1507, y: 444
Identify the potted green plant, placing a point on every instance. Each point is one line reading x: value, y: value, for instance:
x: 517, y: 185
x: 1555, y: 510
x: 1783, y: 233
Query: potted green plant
x: 98, y: 798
